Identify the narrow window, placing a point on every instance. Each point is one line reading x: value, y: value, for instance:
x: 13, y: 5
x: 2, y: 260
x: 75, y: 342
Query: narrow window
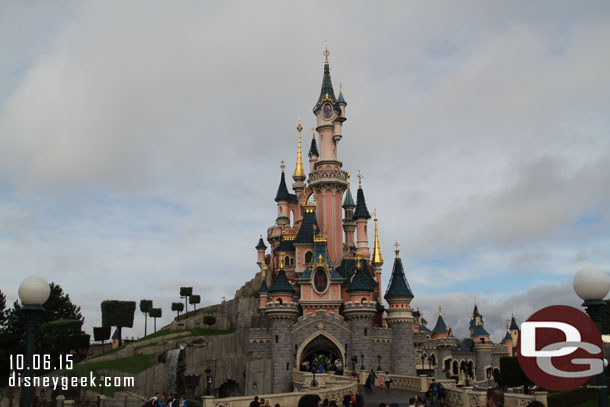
x: 277, y: 339
x: 366, y: 331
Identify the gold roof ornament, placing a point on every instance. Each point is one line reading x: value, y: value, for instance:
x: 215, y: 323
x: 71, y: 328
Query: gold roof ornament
x: 263, y: 271
x: 282, y: 254
x: 440, y: 311
x: 359, y: 179
x: 377, y: 259
x: 282, y: 166
x: 358, y: 266
x: 298, y: 170
x: 396, y: 250
x: 326, y: 53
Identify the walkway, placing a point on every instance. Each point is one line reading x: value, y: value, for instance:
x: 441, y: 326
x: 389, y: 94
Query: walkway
x: 372, y: 399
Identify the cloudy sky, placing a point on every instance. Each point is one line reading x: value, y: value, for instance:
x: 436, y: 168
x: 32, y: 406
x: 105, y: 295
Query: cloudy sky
x: 140, y: 143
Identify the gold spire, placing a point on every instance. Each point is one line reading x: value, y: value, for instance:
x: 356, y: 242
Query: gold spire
x: 326, y: 53
x: 440, y: 311
x: 299, y: 171
x: 358, y: 260
x: 281, y: 259
x: 282, y: 166
x: 377, y: 259
x: 396, y: 250
x: 313, y: 133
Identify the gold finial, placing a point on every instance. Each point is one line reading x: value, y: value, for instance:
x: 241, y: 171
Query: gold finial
x: 313, y: 133
x: 282, y: 166
x: 326, y: 53
x: 263, y: 271
x: 377, y: 259
x: 298, y: 170
x: 396, y: 250
x: 359, y: 179
x: 358, y: 260
x: 440, y: 311
x: 282, y: 254
x: 507, y: 321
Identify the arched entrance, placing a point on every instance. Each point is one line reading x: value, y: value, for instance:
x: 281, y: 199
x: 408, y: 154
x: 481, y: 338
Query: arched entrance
x: 321, y: 353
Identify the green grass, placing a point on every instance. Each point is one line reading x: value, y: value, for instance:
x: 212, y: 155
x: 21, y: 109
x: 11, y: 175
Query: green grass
x: 110, y: 352
x: 146, y: 346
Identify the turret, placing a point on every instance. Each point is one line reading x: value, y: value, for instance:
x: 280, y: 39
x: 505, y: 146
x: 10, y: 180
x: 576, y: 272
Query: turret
x: 282, y: 198
x: 341, y: 101
x: 263, y: 290
x: 313, y: 151
x: 508, y: 342
x: 260, y: 248
x: 400, y: 319
x: 514, y: 330
x: 361, y: 216
x: 360, y: 289
x: 440, y: 329
x: 349, y: 224
x: 299, y: 173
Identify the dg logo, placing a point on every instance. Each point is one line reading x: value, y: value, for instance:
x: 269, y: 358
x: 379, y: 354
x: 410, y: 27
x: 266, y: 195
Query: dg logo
x: 560, y: 348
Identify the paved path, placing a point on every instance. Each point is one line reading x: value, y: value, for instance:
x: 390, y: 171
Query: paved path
x: 372, y: 399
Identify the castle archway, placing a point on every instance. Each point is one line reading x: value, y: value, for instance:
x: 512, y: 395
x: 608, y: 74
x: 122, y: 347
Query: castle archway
x: 321, y: 351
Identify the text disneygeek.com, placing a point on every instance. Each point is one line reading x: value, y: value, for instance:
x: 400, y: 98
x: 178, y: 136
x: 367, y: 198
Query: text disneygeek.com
x: 65, y: 382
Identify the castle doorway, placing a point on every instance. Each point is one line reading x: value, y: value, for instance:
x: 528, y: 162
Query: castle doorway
x: 322, y: 355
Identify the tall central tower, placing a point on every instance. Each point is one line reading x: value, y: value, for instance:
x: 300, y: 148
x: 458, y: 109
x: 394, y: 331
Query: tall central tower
x: 327, y: 179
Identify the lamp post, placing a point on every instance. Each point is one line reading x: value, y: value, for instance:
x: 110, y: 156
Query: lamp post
x: 354, y: 361
x: 361, y: 361
x: 208, y: 377
x: 378, y: 362
x: 431, y: 371
x: 33, y: 292
x: 592, y: 285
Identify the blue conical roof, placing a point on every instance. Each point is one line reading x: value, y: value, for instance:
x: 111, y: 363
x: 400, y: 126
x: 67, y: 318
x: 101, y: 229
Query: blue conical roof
x: 361, y: 211
x: 479, y: 331
x: 326, y: 92
x: 360, y: 282
x: 507, y: 337
x: 305, y: 234
x: 513, y: 324
x: 440, y: 327
x: 261, y: 244
x: 348, y: 201
x: 263, y: 288
x: 281, y: 284
x: 282, y: 191
x: 398, y: 286
x: 313, y: 150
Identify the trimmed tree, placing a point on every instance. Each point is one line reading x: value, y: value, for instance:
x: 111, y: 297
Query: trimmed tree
x: 119, y: 314
x: 194, y: 300
x: 177, y: 307
x: 511, y: 374
x: 209, y: 320
x: 145, y: 306
x: 186, y: 292
x: 101, y: 334
x: 155, y: 313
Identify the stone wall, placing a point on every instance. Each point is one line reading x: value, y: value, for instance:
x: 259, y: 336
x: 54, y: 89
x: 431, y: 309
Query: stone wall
x: 402, y: 350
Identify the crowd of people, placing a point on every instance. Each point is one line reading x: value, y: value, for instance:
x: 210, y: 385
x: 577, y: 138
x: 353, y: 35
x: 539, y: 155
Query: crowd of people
x: 170, y: 401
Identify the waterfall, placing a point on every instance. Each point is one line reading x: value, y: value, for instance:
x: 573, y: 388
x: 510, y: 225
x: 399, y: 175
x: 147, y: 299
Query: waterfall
x: 173, y: 355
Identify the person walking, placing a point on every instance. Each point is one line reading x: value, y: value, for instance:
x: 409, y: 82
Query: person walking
x: 373, y: 377
x: 388, y: 379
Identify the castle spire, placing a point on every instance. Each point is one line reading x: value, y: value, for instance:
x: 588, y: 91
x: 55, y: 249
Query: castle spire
x: 327, y: 94
x: 299, y: 172
x: 361, y: 211
x: 398, y: 288
x: 282, y: 190
x: 377, y: 259
x: 348, y: 201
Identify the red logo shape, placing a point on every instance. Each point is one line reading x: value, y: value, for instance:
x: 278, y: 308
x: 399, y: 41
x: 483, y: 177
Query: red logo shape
x: 559, y: 348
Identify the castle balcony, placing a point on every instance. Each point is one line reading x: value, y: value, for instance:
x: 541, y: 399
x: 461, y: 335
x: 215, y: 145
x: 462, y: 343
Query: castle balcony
x: 359, y: 309
x: 335, y: 176
x: 281, y: 310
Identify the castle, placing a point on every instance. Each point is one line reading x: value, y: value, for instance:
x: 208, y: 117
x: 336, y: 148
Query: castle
x: 320, y: 301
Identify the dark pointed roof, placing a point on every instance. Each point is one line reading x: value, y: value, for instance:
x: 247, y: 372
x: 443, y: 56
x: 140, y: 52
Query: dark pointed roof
x: 423, y: 328
x: 320, y: 259
x: 473, y: 324
x: 440, y: 327
x: 507, y: 337
x: 348, y: 201
x: 326, y: 92
x: 479, y: 331
x: 340, y: 99
x: 285, y: 246
x: 282, y: 191
x: 513, y: 324
x: 281, y: 284
x: 398, y: 286
x: 261, y: 244
x: 263, y: 288
x: 313, y: 150
x: 360, y: 282
x: 361, y: 211
x: 305, y: 234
